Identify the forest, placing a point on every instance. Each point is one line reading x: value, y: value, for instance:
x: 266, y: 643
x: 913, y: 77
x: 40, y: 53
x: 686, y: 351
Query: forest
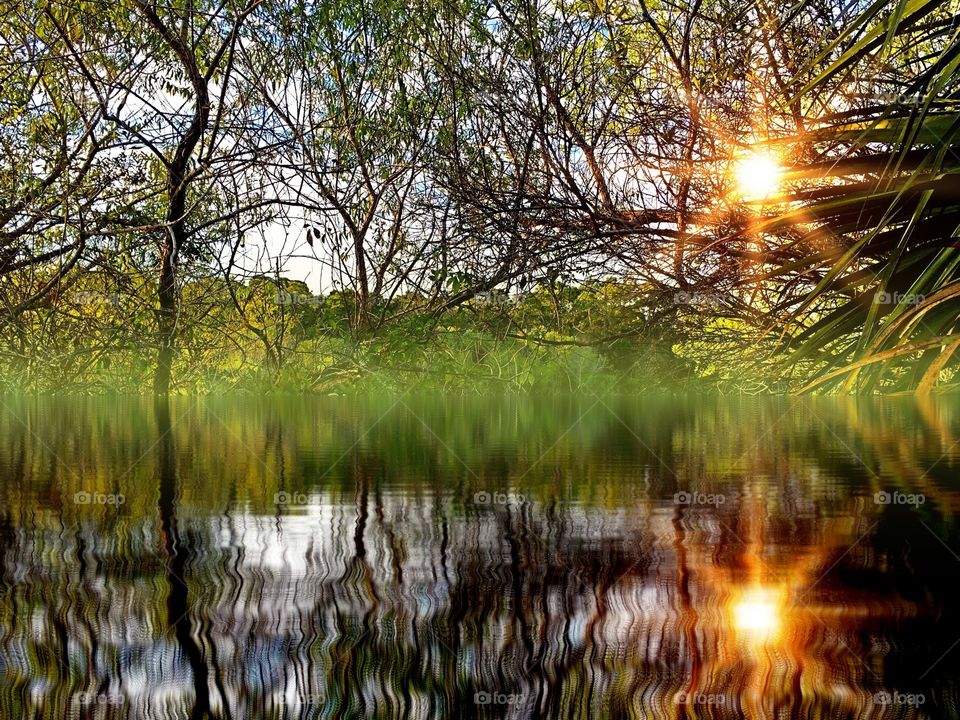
x: 318, y: 195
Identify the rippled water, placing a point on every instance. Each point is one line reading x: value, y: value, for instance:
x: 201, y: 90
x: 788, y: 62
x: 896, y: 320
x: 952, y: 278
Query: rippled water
x: 414, y: 557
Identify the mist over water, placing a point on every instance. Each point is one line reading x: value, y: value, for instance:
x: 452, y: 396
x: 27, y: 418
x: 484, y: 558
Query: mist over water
x: 527, y: 557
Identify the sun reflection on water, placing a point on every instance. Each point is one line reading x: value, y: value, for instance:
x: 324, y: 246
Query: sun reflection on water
x: 758, y: 614
x: 781, y: 601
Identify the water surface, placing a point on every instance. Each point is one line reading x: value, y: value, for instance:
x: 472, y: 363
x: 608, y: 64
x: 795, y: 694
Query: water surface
x: 427, y: 557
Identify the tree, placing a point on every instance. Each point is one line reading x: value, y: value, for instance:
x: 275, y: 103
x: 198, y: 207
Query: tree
x: 358, y: 110
x: 872, y: 281
x: 163, y: 79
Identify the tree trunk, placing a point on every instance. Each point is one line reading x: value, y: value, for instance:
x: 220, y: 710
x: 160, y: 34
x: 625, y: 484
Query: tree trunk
x: 363, y: 284
x: 178, y: 182
x: 166, y: 320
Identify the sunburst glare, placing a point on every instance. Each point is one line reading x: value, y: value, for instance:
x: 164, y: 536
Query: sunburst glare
x: 758, y: 176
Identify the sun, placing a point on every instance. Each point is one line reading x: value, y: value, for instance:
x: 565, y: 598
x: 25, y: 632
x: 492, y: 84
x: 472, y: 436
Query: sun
x: 758, y: 176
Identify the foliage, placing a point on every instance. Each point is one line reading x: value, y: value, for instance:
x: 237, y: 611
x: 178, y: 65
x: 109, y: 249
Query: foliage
x: 484, y: 193
x: 878, y: 210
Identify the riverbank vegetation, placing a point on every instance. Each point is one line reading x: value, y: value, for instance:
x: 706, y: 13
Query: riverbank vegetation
x: 749, y: 197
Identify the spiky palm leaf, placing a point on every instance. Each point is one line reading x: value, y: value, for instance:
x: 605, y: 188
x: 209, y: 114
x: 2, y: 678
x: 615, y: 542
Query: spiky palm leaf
x: 880, y: 209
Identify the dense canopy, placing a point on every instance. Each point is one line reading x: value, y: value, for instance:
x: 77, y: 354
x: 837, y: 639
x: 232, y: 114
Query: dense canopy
x: 295, y: 194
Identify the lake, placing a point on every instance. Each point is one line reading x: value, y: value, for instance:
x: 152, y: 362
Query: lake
x: 416, y: 556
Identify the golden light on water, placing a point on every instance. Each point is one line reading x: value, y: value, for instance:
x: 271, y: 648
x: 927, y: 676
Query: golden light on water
x: 758, y: 176
x: 758, y: 613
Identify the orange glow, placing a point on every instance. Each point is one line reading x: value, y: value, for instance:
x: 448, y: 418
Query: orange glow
x: 758, y: 176
x: 758, y: 613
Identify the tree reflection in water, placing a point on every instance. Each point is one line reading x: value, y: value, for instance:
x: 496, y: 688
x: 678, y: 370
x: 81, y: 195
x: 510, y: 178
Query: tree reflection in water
x: 340, y: 559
